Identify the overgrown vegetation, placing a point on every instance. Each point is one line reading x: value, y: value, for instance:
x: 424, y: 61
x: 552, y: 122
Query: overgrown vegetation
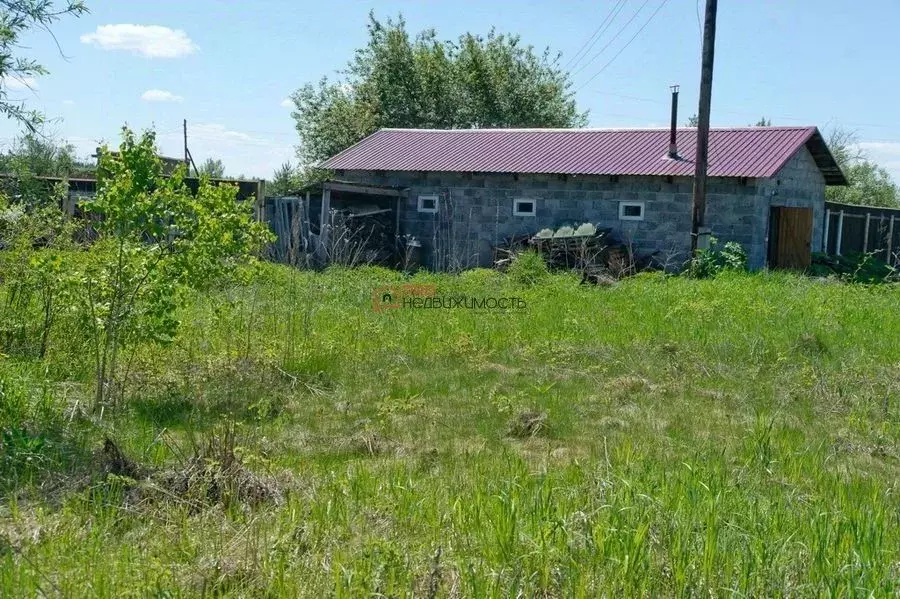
x: 870, y: 184
x: 713, y: 260
x: 149, y: 239
x: 663, y: 436
x: 857, y: 268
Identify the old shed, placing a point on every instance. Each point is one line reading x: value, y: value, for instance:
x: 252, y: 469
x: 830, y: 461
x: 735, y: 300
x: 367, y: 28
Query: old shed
x: 460, y: 193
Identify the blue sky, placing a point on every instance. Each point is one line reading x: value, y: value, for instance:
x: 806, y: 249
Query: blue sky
x: 227, y: 67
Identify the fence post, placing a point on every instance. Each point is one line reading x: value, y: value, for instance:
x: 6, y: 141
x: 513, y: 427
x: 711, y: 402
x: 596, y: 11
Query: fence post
x: 825, y: 234
x: 260, y: 200
x: 866, y: 233
x: 323, y: 221
x: 840, y: 233
x: 890, y: 256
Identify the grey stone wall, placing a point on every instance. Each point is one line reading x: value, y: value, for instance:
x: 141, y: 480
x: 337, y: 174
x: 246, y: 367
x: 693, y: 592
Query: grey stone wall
x: 476, y: 210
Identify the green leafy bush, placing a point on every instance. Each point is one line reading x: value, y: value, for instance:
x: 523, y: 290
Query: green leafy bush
x: 713, y: 260
x: 528, y: 268
x: 156, y: 240
x: 33, y: 239
x: 856, y: 268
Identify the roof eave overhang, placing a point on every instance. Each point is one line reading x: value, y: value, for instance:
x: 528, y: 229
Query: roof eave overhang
x: 828, y: 166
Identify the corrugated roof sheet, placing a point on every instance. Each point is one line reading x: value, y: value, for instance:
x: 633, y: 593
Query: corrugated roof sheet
x: 733, y: 152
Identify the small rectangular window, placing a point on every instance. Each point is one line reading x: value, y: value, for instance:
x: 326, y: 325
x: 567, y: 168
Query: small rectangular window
x: 631, y: 210
x: 524, y: 207
x: 428, y: 203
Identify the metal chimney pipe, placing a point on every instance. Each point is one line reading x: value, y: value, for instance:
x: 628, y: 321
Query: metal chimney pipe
x: 673, y: 147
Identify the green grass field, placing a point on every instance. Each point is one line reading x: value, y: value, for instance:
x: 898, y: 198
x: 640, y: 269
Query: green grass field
x: 660, y: 436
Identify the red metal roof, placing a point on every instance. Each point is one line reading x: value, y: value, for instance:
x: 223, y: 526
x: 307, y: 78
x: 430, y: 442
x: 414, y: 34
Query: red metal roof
x: 733, y: 152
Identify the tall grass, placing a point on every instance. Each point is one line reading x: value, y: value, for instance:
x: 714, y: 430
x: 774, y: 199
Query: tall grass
x: 735, y: 436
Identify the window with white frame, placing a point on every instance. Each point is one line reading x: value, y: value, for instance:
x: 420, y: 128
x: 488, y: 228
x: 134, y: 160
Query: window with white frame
x: 631, y: 210
x: 428, y: 203
x: 524, y: 207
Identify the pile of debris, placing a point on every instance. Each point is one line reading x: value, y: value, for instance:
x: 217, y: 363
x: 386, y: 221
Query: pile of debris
x: 213, y: 474
x: 587, y: 249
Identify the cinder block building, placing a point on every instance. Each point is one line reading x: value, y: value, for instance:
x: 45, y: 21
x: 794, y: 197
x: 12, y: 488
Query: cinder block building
x: 460, y: 193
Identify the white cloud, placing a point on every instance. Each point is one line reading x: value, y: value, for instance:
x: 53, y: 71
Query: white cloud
x: 221, y: 134
x: 287, y: 103
x: 69, y: 102
x: 248, y: 153
x: 160, y: 95
x: 11, y: 82
x: 151, y: 41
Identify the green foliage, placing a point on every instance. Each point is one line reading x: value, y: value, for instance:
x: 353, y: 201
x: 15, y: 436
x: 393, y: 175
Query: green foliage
x: 42, y: 156
x: 17, y: 19
x: 869, y: 183
x: 284, y: 180
x: 714, y: 260
x: 856, y: 268
x: 396, y: 81
x: 736, y: 435
x: 33, y: 239
x: 156, y: 240
x: 33, y: 157
x: 213, y: 167
x: 528, y: 268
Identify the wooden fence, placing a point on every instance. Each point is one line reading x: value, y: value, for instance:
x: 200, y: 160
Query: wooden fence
x: 853, y: 229
x: 289, y: 218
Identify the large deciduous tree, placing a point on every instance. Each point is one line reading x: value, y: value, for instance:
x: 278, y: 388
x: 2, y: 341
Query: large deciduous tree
x: 213, y: 167
x: 16, y: 18
x: 870, y: 184
x: 424, y: 82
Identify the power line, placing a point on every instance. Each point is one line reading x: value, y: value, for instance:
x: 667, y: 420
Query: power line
x: 615, y: 37
x: 637, y: 33
x: 775, y: 117
x: 595, y: 36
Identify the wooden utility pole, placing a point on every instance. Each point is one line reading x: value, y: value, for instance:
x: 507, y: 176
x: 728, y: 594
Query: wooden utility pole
x: 188, y: 159
x: 698, y: 215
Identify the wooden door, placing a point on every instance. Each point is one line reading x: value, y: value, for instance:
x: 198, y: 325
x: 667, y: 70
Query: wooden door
x: 791, y: 230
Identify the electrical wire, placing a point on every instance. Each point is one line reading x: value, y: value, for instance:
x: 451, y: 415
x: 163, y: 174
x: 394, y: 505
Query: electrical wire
x: 774, y: 117
x: 614, y: 38
x: 595, y: 36
x: 623, y: 48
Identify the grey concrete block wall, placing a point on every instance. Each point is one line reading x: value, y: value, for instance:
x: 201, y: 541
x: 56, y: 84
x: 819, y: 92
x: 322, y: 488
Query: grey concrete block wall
x: 476, y: 210
x: 799, y: 184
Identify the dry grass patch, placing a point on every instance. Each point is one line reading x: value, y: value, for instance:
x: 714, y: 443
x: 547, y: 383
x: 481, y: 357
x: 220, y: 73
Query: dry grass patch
x: 526, y: 424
